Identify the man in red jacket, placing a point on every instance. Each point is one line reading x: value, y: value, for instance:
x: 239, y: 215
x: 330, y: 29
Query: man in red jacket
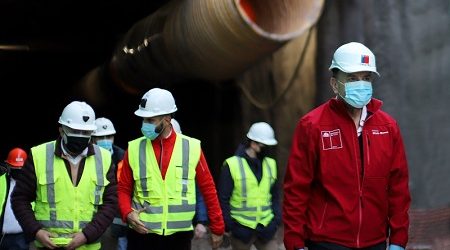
x: 346, y: 183
x: 157, y: 183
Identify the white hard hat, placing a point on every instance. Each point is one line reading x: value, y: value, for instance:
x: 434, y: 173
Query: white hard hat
x: 78, y: 115
x: 263, y: 133
x: 156, y: 102
x: 176, y: 126
x: 104, y: 127
x: 354, y: 57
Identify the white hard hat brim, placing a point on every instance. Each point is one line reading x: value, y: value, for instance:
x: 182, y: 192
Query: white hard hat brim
x: 104, y: 133
x: 353, y: 69
x: 79, y: 127
x: 269, y: 142
x: 146, y: 114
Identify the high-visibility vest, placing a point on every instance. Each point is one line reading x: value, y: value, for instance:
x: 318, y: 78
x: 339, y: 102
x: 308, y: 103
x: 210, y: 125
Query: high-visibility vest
x: 3, y: 192
x: 62, y: 208
x: 250, y: 201
x: 170, y: 203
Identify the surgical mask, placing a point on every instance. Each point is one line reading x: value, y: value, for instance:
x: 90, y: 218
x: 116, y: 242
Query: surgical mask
x: 105, y: 143
x: 75, y: 144
x: 150, y: 130
x: 357, y: 93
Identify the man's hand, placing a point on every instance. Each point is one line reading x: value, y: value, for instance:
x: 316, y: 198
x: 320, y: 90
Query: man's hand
x: 78, y: 240
x: 200, y: 231
x: 135, y: 223
x: 43, y: 237
x: 216, y: 240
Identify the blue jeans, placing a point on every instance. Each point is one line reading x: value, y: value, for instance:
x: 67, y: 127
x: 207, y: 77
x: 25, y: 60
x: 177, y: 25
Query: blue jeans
x: 122, y: 243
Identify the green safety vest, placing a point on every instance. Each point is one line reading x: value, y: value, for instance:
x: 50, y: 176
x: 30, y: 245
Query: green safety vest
x: 170, y: 203
x: 251, y: 202
x: 62, y: 208
x: 3, y: 193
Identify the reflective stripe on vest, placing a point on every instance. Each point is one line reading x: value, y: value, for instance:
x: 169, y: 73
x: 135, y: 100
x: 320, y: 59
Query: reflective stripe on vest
x: 251, y: 202
x: 168, y: 205
x: 62, y: 208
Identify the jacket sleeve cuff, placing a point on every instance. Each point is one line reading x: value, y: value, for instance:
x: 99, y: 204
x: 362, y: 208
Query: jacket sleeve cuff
x: 125, y: 216
x: 86, y: 234
x: 293, y: 244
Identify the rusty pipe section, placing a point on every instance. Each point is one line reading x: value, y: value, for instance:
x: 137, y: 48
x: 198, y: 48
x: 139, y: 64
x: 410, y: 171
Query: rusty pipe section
x: 208, y: 39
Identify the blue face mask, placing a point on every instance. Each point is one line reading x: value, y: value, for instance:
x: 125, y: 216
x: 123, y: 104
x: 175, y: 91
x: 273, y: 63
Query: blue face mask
x: 149, y: 130
x: 106, y: 144
x: 357, y: 94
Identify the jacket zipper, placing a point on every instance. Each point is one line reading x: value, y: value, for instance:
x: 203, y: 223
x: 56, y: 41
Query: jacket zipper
x: 161, y: 157
x: 164, y: 217
x: 361, y: 180
x: 359, y: 188
x: 368, y: 150
x: 323, y: 215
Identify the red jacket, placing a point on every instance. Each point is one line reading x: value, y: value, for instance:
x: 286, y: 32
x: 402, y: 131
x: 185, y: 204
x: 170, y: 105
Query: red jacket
x: 203, y: 178
x: 333, y: 195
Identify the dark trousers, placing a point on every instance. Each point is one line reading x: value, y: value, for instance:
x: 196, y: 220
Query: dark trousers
x: 151, y: 241
x: 13, y: 242
x: 331, y: 246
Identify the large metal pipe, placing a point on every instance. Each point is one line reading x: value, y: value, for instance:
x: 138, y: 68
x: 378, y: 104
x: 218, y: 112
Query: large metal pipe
x: 208, y: 39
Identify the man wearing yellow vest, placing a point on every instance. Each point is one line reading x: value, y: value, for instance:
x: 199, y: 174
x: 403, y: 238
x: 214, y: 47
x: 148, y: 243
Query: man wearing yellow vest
x: 156, y: 188
x: 248, y: 192
x: 73, y: 186
x: 12, y: 236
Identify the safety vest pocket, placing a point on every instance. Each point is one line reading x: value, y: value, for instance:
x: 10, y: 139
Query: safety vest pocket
x: 184, y: 181
x: 96, y: 196
x: 46, y: 190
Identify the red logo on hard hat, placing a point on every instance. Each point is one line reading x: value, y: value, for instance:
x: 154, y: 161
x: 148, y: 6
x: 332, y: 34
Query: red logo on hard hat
x: 365, y: 59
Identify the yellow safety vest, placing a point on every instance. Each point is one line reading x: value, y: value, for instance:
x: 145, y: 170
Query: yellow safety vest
x: 60, y: 207
x: 3, y: 193
x: 251, y: 202
x: 170, y: 203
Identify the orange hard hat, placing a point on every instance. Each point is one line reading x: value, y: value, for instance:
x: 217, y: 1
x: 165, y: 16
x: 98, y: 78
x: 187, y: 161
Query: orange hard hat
x: 17, y: 157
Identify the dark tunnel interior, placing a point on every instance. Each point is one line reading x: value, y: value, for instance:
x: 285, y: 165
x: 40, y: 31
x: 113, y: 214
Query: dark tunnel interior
x: 47, y: 47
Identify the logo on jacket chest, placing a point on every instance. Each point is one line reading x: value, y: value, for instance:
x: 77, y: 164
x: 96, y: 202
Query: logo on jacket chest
x: 331, y: 139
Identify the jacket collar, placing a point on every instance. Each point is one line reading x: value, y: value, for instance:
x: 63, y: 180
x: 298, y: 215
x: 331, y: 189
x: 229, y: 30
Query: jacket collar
x: 372, y: 107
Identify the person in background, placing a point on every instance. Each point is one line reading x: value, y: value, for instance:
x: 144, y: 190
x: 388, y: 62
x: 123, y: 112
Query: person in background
x: 201, y: 215
x: 248, y: 192
x: 346, y: 182
x: 157, y: 183
x: 116, y: 235
x: 12, y: 237
x: 72, y: 183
